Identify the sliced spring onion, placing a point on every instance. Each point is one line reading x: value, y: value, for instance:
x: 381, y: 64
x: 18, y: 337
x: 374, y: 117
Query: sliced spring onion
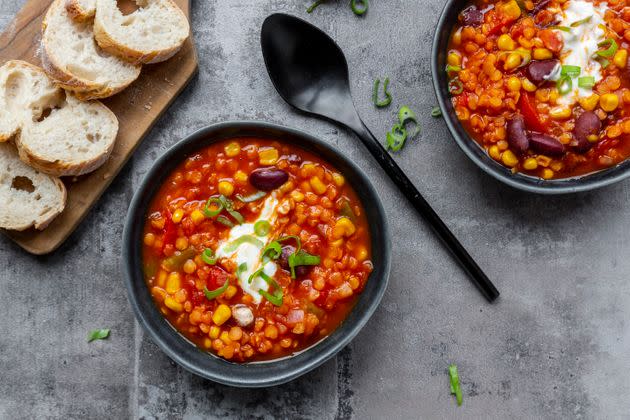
x: 396, y: 138
x: 586, y: 82
x: 99, y: 334
x: 455, y: 388
x: 603, y: 62
x: 251, y: 198
x: 388, y: 97
x: 450, y: 68
x: 272, y: 251
x: 255, y: 274
x: 176, y: 261
x: 225, y: 221
x: 208, y: 256
x: 276, y: 298
x: 213, y: 294
x: 571, y: 71
x: 405, y: 116
x: 611, y: 50
x: 436, y: 112
x: 314, y: 6
x: 302, y: 257
x: 249, y: 239
x: 581, y: 22
x: 564, y: 85
x: 229, y: 207
x: 262, y: 228
x: 359, y: 7
x: 562, y: 28
x: 241, y: 269
x: 455, y: 86
x: 207, y: 208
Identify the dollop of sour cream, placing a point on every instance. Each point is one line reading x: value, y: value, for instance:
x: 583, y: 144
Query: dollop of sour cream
x: 580, y: 45
x: 250, y: 254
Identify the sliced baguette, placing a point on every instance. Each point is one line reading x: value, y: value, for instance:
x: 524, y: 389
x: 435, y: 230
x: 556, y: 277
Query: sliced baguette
x: 151, y: 34
x: 71, y: 56
x: 81, y: 10
x: 27, y: 197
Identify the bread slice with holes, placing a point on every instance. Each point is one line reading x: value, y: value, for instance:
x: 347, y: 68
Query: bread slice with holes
x: 28, y: 198
x: 151, y: 34
x: 72, y: 58
x: 81, y: 10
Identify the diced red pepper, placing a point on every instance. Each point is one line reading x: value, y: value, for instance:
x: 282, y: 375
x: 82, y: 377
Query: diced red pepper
x: 530, y: 115
x: 170, y: 230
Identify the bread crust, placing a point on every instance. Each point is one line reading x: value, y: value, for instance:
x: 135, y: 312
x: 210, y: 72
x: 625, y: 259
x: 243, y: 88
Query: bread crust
x: 77, y: 12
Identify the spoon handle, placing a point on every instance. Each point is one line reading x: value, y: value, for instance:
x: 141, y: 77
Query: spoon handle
x: 392, y: 169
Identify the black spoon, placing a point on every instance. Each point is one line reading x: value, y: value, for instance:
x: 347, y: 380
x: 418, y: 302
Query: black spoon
x: 310, y: 72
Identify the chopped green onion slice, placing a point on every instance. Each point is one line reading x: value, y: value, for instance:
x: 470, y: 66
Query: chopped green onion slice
x: 262, y: 228
x: 213, y: 294
x: 255, y: 274
x: 314, y: 6
x: 229, y: 207
x: 436, y: 112
x: 251, y: 198
x: 100, y: 334
x: 237, y: 216
x: 225, y: 221
x: 396, y: 138
x: 455, y: 388
x: 302, y: 257
x: 359, y: 7
x: 208, y: 256
x: 455, y: 86
x: 249, y: 239
x: 611, y: 50
x: 450, y: 68
x: 213, y: 213
x: 564, y: 85
x: 406, y: 115
x: 581, y: 22
x: 272, y: 251
x: 241, y: 269
x: 562, y: 28
x: 277, y: 296
x: 604, y: 62
x: 586, y: 82
x: 571, y: 71
x: 298, y: 241
x: 388, y: 97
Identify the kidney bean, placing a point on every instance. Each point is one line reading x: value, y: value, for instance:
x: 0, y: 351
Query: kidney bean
x: 300, y: 270
x: 539, y: 71
x: 516, y: 134
x: 471, y: 16
x: 545, y: 144
x: 268, y: 179
x: 586, y: 124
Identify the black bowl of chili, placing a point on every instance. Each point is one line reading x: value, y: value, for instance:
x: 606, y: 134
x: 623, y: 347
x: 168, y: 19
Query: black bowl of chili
x: 266, y: 372
x: 451, y: 17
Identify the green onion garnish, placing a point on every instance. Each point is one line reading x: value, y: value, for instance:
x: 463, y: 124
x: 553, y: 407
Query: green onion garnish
x: 581, y: 22
x: 314, y: 6
x: 302, y: 257
x: 450, y: 68
x: 455, y: 86
x: 213, y: 213
x: 229, y: 207
x: 251, y: 198
x: 436, y: 112
x: 611, y: 50
x: 586, y: 82
x: 276, y: 297
x: 208, y: 256
x: 274, y: 249
x: 241, y: 269
x: 571, y: 71
x: 388, y: 97
x: 396, y: 138
x: 245, y: 239
x: 225, y: 221
x: 405, y: 116
x: 564, y: 85
x: 562, y: 28
x: 359, y: 7
x: 603, y: 62
x: 213, y: 294
x: 99, y: 334
x: 262, y: 228
x: 176, y: 261
x: 455, y: 388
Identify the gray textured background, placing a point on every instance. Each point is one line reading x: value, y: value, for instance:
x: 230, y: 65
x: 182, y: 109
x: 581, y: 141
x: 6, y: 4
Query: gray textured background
x: 557, y: 344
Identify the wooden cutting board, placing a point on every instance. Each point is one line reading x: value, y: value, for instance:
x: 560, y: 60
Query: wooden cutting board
x: 137, y: 108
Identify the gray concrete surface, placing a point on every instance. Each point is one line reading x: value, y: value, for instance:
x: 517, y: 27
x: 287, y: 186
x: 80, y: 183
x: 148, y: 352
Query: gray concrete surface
x: 557, y: 344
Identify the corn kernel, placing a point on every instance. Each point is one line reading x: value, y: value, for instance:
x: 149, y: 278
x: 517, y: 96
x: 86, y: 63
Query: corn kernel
x: 494, y: 152
x: 609, y: 102
x: 510, y: 9
x: 530, y: 164
x: 230, y: 292
x: 214, y: 332
x: 181, y: 243
x: 225, y: 337
x: 161, y: 278
x: 547, y: 173
x: 338, y: 179
x: 621, y: 58
x: 297, y: 196
x: 173, y: 283
x: 190, y: 267
x: 178, y: 215
x: 509, y: 159
x: 207, y: 343
x: 343, y: 227
x: 221, y: 314
x: 512, y: 61
x: 172, y: 304
x: 589, y: 103
x: 514, y: 84
x: 268, y: 156
x: 528, y: 86
x: 559, y: 113
x: 543, y: 160
x: 506, y: 43
x: 542, y: 54
x: 232, y: 149
x: 454, y: 59
x: 149, y: 239
x: 593, y: 138
x: 226, y: 188
x: 240, y: 177
x: 361, y: 253
x: 197, y: 216
x: 318, y: 185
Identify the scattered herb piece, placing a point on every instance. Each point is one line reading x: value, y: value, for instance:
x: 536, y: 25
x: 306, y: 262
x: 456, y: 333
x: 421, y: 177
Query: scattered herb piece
x: 455, y: 86
x: 610, y: 51
x: 218, y: 207
x: 436, y: 112
x: 586, y: 82
x: 302, y: 257
x: 251, y: 198
x: 277, y: 296
x: 176, y: 261
x: 388, y: 97
x: 313, y: 6
x: 100, y: 334
x: 359, y: 7
x: 564, y: 85
x: 213, y: 294
x: 225, y: 221
x: 455, y: 388
x: 396, y: 138
x: 208, y: 256
x: 229, y: 207
x: 561, y: 28
x: 603, y: 62
x: 346, y: 210
x: 571, y: 71
x: 262, y: 228
x: 581, y: 22
x: 241, y: 269
x: 406, y: 116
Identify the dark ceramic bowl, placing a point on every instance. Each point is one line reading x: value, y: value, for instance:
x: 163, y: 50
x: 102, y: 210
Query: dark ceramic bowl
x: 447, y: 21
x: 256, y: 374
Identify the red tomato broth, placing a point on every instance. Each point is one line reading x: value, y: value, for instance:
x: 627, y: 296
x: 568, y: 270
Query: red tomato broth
x: 493, y: 93
x: 314, y: 305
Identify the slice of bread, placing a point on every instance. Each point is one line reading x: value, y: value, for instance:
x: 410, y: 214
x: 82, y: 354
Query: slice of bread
x: 151, y: 34
x: 27, y: 197
x: 54, y: 132
x: 81, y: 10
x: 71, y: 56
